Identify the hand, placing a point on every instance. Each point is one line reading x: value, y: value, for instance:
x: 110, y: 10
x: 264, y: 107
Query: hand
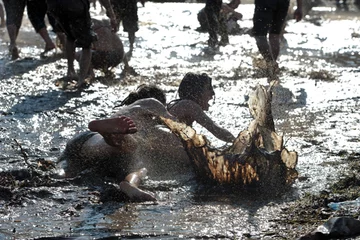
x: 298, y: 14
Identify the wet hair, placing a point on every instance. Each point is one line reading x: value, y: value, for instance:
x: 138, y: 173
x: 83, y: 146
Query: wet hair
x: 193, y: 85
x: 145, y: 91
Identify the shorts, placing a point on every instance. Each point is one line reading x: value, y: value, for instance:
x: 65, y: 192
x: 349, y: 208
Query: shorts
x: 269, y: 16
x: 72, y: 152
x: 36, y: 12
x: 127, y: 12
x: 105, y: 60
x: 14, y: 11
x: 73, y: 18
x: 74, y: 161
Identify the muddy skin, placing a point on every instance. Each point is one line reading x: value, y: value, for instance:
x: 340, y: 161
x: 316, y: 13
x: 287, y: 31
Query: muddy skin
x: 317, y: 114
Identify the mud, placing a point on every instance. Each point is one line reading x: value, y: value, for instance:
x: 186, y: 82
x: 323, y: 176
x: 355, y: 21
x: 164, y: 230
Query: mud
x: 316, y: 109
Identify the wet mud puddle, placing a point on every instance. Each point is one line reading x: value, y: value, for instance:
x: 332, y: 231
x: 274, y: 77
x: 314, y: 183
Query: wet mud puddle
x: 316, y: 108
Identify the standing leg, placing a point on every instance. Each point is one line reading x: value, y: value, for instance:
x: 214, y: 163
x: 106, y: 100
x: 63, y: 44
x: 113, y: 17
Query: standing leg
x: 37, y: 12
x: 2, y: 16
x: 212, y: 9
x: 84, y: 62
x: 70, y: 56
x: 14, y: 14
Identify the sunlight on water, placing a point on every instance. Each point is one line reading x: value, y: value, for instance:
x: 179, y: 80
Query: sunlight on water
x: 317, y: 117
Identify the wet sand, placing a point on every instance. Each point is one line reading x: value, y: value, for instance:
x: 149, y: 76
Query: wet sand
x: 316, y: 108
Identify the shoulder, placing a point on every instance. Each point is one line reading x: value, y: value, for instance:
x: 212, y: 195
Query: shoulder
x: 185, y: 107
x: 148, y: 102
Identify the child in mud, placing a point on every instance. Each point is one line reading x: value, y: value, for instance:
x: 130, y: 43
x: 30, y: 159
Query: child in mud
x: 73, y: 18
x: 216, y: 23
x: 227, y: 13
x: 195, y: 92
x: 117, y: 147
x: 107, y: 51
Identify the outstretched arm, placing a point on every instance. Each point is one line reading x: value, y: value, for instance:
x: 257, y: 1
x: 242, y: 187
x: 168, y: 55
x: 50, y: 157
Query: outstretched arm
x: 204, y: 120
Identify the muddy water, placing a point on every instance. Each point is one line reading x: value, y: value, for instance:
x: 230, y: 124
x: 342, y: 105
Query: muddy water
x: 316, y: 108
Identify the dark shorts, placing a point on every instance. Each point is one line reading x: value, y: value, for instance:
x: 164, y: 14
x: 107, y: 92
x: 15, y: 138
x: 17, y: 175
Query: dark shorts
x: 14, y: 11
x: 127, y: 12
x: 36, y: 10
x: 105, y: 60
x: 72, y: 153
x: 269, y: 16
x: 74, y: 161
x: 73, y: 18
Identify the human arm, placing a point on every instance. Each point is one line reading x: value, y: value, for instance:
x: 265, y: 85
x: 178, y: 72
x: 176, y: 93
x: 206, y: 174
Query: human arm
x: 298, y: 14
x: 198, y: 115
x: 226, y: 10
x: 111, y: 15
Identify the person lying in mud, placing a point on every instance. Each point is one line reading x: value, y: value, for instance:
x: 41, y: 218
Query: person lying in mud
x: 195, y: 92
x: 117, y: 147
x: 107, y: 51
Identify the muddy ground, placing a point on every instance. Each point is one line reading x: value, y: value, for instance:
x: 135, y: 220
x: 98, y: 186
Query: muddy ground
x: 316, y: 108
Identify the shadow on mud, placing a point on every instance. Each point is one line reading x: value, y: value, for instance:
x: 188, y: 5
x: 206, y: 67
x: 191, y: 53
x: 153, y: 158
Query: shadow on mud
x: 51, y: 100
x: 24, y: 65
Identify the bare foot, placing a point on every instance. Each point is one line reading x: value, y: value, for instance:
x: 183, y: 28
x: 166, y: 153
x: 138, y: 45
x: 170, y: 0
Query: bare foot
x: 14, y: 52
x: 122, y: 125
x: 134, y: 193
x: 47, y: 49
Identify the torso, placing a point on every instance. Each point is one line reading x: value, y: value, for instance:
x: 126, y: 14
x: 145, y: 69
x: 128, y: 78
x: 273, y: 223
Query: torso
x: 159, y: 150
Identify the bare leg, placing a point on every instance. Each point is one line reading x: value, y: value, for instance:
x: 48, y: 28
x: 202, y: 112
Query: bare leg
x: 274, y: 40
x: 2, y: 16
x: 84, y: 62
x: 266, y: 51
x: 130, y: 187
x: 49, y: 45
x: 114, y: 130
x: 13, y: 31
x: 264, y: 48
x: 131, y: 41
x: 122, y: 125
x: 70, y: 55
x: 61, y: 41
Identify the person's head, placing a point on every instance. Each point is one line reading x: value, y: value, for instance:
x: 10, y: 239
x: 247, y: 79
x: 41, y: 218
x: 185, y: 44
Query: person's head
x: 198, y: 88
x: 145, y: 91
x: 234, y: 4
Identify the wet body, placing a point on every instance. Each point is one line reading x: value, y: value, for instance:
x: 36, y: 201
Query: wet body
x: 118, y: 147
x: 107, y: 51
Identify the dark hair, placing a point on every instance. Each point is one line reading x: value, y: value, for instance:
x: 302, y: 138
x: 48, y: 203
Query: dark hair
x: 193, y: 85
x: 145, y: 91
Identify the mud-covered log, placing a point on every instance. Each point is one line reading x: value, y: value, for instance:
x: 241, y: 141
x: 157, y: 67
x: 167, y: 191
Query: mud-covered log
x: 257, y: 157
